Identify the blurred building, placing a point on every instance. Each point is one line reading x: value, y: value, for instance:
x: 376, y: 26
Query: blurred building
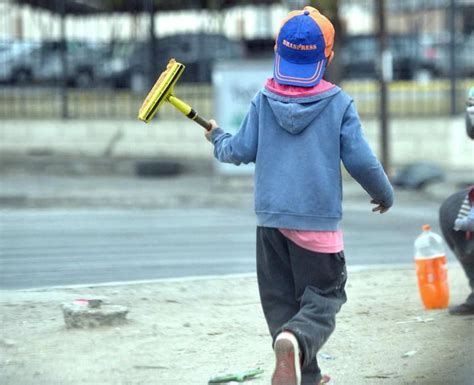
x: 408, y: 16
x: 248, y: 22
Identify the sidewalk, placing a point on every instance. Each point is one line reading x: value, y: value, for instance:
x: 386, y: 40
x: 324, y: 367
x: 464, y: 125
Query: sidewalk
x: 182, y: 332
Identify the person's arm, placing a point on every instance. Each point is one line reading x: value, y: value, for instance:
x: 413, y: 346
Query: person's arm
x: 238, y: 148
x: 362, y: 164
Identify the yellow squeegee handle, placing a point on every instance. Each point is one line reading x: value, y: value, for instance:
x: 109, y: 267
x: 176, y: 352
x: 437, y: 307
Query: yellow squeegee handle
x: 187, y: 110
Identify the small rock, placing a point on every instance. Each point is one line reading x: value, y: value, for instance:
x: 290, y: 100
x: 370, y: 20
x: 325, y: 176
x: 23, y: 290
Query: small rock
x: 186, y: 325
x: 82, y: 317
x: 217, y: 334
x: 7, y: 343
x: 410, y: 353
x: 95, y: 303
x: 326, y: 356
x: 150, y: 367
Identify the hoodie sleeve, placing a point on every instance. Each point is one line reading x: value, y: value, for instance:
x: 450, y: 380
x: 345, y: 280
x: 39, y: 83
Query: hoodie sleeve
x: 360, y: 161
x: 241, y: 147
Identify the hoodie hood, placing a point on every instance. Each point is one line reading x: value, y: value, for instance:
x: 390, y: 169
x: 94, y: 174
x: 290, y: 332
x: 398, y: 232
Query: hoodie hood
x: 294, y: 114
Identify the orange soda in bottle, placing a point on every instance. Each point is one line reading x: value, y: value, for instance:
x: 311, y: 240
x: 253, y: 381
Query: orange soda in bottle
x: 431, y: 269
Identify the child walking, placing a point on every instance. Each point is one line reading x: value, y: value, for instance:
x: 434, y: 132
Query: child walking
x: 298, y: 130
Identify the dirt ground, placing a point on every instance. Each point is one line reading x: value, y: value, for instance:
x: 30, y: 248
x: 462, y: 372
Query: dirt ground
x: 185, y: 331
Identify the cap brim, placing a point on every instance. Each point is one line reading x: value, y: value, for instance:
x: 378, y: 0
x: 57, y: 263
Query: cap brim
x: 301, y: 75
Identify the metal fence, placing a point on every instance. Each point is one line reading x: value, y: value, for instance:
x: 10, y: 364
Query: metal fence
x: 61, y: 61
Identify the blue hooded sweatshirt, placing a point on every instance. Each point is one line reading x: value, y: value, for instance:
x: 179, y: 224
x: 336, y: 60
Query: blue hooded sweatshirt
x: 297, y: 145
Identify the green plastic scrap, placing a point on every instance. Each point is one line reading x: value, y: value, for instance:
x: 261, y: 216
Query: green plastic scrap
x: 238, y: 377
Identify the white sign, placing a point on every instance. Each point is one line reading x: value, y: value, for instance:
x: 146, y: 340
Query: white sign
x: 235, y: 84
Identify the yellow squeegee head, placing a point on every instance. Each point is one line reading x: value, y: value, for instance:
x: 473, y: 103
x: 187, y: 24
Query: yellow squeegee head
x: 161, y: 90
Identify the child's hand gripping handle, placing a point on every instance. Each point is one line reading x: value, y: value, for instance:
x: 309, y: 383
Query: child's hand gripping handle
x: 189, y: 112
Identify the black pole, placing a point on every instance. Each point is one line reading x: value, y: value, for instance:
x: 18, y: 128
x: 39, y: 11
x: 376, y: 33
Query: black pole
x: 152, y: 43
x: 452, y: 56
x: 61, y: 6
x: 384, y: 77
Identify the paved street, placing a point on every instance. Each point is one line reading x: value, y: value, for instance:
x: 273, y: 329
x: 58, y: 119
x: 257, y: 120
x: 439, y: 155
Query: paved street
x: 73, y: 246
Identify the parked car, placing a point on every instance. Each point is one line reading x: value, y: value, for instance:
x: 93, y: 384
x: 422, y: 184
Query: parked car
x: 128, y: 65
x: 360, y: 57
x: 259, y: 48
x: 16, y: 65
x: 26, y: 62
x: 438, y: 50
x: 82, y: 59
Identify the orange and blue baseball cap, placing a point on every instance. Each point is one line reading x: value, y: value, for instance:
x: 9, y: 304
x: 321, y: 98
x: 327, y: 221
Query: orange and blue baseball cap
x: 303, y: 47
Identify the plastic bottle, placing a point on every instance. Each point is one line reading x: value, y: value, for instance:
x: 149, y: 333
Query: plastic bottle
x: 431, y: 269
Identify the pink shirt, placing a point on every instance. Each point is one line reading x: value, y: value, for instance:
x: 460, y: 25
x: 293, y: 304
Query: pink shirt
x: 318, y: 241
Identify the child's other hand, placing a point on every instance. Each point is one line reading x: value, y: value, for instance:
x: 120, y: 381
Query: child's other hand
x: 208, y: 134
x: 382, y: 209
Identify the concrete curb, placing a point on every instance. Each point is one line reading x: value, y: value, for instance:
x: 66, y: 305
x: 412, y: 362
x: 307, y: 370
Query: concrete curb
x: 351, y: 269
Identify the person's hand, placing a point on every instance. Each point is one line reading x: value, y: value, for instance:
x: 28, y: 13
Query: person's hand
x: 208, y: 134
x: 381, y: 208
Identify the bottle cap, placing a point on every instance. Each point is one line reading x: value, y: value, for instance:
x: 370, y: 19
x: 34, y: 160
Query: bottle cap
x: 426, y: 227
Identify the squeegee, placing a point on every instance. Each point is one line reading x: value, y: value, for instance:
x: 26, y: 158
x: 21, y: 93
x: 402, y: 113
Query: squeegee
x: 162, y: 92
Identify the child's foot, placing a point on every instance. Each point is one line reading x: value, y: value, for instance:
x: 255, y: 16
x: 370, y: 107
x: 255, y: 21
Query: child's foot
x: 287, y: 366
x: 325, y: 380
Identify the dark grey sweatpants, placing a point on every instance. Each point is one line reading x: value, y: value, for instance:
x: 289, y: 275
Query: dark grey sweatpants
x: 301, y: 291
x: 456, y: 240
